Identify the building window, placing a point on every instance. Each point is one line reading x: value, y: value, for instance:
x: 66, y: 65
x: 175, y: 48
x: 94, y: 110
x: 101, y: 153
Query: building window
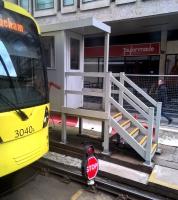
x: 48, y: 51
x: 86, y: 1
x: 44, y: 4
x: 172, y: 64
x: 74, y: 54
x: 24, y: 4
x: 68, y: 2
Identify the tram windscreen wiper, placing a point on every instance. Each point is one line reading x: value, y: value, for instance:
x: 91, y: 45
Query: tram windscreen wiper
x: 19, y: 112
x: 10, y: 72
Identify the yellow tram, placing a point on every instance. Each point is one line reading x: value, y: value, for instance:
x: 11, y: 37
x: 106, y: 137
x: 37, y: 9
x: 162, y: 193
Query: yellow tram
x: 24, y: 103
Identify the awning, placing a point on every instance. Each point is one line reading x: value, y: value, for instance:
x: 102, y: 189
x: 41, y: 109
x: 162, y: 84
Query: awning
x: 83, y: 26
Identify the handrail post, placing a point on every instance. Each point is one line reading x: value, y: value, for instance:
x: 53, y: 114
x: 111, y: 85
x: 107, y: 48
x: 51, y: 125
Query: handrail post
x: 107, y: 91
x: 158, y: 119
x: 64, y: 133
x: 122, y: 74
x: 107, y: 110
x: 150, y: 136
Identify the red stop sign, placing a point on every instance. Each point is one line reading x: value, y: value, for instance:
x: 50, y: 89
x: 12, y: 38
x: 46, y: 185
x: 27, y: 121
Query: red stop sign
x: 92, y: 167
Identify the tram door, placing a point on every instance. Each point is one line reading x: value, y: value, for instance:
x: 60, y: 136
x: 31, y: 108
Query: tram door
x: 75, y: 62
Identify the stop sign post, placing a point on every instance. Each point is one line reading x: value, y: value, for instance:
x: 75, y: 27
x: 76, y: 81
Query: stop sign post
x: 90, y: 165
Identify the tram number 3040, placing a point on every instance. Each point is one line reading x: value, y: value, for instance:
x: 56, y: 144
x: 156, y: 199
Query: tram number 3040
x: 23, y: 132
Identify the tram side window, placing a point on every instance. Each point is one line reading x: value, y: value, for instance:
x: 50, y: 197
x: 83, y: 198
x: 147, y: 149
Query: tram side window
x: 48, y: 51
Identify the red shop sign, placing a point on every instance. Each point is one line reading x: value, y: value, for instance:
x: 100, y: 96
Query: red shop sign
x: 125, y: 50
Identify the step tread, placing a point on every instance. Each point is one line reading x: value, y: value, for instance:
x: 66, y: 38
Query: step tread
x: 142, y: 141
x: 132, y: 130
x: 117, y: 115
x: 123, y: 122
x: 154, y: 145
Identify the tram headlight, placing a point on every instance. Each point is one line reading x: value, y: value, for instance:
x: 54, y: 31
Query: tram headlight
x: 46, y: 118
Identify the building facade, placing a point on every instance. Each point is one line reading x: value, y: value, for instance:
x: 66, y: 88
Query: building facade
x: 129, y: 18
x: 143, y: 40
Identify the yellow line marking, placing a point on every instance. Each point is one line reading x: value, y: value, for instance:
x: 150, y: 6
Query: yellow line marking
x: 153, y: 179
x: 125, y: 123
x: 117, y: 115
x: 77, y: 195
x: 133, y: 131
x: 143, y: 140
x: 153, y: 147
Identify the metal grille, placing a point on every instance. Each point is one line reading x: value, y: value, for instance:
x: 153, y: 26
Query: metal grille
x: 149, y: 83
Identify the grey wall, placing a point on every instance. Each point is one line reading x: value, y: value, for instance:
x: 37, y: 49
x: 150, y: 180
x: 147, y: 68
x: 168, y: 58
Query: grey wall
x: 56, y: 75
x: 114, y: 12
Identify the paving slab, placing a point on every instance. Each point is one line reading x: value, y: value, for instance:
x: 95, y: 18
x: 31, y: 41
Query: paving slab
x: 124, y: 172
x: 165, y: 177
x: 168, y: 136
x: 104, y: 166
x: 85, y: 195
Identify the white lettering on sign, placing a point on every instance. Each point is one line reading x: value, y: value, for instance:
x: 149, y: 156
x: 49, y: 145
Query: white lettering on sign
x: 132, y: 51
x: 92, y: 167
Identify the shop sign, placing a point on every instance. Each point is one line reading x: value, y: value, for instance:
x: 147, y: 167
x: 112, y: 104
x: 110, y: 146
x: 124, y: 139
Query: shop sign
x: 125, y: 50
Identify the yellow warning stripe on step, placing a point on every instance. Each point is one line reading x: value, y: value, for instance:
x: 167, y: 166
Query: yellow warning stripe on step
x: 164, y: 176
x: 153, y: 147
x: 133, y: 131
x: 125, y: 123
x: 117, y: 115
x: 143, y: 140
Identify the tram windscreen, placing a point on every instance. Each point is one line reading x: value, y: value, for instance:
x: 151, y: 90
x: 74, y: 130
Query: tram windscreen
x: 22, y: 74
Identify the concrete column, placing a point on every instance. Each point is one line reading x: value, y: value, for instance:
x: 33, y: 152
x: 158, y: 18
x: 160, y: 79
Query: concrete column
x: 163, y: 52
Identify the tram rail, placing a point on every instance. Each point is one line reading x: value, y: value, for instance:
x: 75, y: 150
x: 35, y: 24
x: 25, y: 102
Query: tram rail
x: 102, y: 183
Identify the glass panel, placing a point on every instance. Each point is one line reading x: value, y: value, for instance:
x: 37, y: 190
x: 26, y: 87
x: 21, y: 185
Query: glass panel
x: 86, y: 1
x: 48, y: 51
x: 22, y: 75
x: 44, y: 4
x: 25, y: 4
x: 74, y: 54
x: 68, y: 2
x: 7, y: 60
x: 172, y: 64
x: 2, y: 70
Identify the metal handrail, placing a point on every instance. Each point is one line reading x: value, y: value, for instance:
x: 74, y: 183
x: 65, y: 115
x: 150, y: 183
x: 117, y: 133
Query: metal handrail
x: 131, y: 98
x: 138, y: 89
x: 128, y: 115
x: 157, y: 105
x: 87, y: 74
x: 124, y: 94
x: 147, y: 112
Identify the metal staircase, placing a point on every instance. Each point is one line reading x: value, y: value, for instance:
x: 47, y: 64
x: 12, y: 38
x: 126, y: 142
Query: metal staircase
x: 137, y: 134
x: 139, y: 137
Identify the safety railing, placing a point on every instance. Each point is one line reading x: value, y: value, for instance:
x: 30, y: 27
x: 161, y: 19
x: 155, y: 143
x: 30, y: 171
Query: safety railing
x: 124, y: 95
x: 85, y: 91
x: 138, y: 105
x: 152, y: 102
